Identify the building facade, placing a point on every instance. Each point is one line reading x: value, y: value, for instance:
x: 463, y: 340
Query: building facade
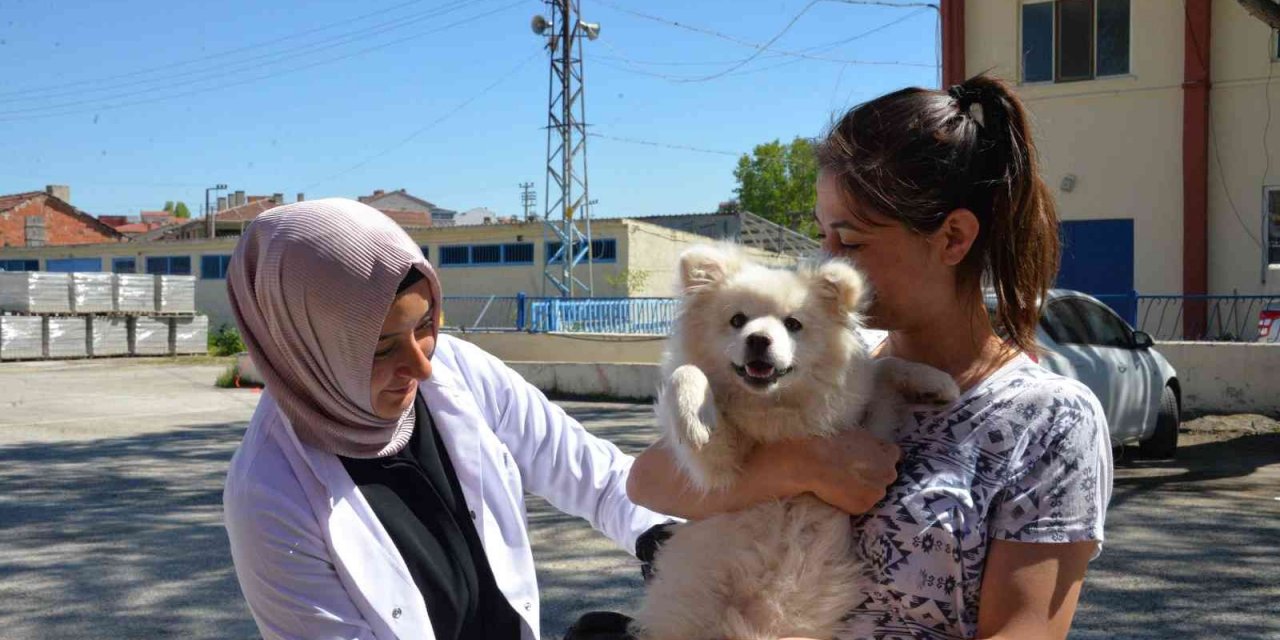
x: 47, y: 218
x: 630, y: 258
x: 1158, y: 124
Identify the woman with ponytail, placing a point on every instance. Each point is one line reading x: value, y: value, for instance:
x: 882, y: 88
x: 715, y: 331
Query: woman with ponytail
x: 999, y: 499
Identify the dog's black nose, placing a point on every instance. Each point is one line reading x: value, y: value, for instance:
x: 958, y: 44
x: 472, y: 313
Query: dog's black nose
x: 758, y: 342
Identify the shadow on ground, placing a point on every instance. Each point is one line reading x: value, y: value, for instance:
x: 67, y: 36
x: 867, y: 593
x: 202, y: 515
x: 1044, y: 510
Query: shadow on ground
x: 119, y: 538
x: 1192, y: 547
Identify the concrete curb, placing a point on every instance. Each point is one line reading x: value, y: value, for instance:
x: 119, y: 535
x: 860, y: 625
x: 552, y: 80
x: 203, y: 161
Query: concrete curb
x: 623, y: 381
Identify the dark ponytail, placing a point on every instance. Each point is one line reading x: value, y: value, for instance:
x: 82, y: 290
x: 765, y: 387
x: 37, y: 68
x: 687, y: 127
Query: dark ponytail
x: 916, y: 155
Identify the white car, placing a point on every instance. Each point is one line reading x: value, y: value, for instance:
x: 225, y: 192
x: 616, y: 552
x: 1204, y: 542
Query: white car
x: 1138, y: 388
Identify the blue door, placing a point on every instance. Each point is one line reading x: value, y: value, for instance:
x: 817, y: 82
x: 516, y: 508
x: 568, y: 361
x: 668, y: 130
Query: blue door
x: 68, y: 265
x: 1097, y: 259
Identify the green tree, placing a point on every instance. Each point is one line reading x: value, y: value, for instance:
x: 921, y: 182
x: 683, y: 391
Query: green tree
x: 168, y: 206
x: 181, y: 211
x: 779, y: 183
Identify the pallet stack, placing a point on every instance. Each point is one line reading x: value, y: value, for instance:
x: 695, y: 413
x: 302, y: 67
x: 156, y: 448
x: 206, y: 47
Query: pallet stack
x: 78, y: 315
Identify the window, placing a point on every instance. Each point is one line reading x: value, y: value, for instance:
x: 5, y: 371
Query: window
x: 1079, y: 321
x: 518, y: 253
x: 426, y: 251
x: 1273, y: 226
x: 455, y: 255
x: 602, y: 250
x: 124, y: 265
x: 487, y: 254
x: 19, y: 265
x: 214, y: 267
x: 169, y: 265
x: 1070, y: 40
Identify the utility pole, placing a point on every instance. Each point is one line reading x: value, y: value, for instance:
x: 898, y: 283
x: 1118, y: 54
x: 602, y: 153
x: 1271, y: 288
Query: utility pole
x: 209, y: 215
x: 528, y: 200
x: 568, y: 208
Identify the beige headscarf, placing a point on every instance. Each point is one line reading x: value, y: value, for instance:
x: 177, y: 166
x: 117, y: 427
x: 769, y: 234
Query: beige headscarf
x: 310, y: 284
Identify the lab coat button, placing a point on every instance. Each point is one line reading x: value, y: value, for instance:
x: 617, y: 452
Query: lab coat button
x: 528, y: 606
x: 473, y: 515
x: 395, y: 613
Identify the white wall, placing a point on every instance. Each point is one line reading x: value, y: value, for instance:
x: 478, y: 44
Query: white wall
x: 1120, y: 137
x: 1226, y: 377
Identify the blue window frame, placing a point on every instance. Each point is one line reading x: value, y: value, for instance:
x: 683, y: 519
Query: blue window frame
x: 214, y: 267
x: 457, y: 255
x: 602, y: 250
x: 19, y: 265
x: 169, y: 265
x: 519, y: 253
x: 124, y: 265
x: 486, y: 254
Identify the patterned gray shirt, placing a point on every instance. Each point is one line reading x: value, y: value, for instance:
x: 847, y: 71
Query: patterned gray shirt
x: 1025, y: 456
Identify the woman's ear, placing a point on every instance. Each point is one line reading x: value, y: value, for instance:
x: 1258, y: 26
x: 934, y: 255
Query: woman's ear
x: 956, y: 236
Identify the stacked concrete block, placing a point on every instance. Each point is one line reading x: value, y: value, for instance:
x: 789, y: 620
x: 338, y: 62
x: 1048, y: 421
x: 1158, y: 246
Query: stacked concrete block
x: 149, y: 336
x: 134, y: 293
x: 93, y: 292
x: 35, y: 292
x: 21, y: 337
x: 176, y: 294
x: 66, y: 337
x: 190, y: 335
x: 108, y: 336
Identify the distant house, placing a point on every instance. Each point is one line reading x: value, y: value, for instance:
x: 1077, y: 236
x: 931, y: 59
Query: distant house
x: 408, y: 210
x: 47, y: 218
x: 230, y: 221
x: 482, y: 215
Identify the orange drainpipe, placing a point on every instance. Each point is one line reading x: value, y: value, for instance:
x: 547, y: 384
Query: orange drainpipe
x: 953, y: 71
x: 1195, y: 164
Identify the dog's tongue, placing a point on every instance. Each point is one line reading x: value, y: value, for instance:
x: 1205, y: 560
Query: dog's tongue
x: 759, y: 369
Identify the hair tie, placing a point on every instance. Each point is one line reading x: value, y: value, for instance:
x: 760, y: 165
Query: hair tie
x: 969, y: 101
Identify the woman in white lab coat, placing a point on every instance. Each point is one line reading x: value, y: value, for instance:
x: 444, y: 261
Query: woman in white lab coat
x: 378, y: 492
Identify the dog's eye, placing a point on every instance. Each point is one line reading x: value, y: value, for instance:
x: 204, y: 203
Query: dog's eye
x: 738, y: 320
x: 792, y: 325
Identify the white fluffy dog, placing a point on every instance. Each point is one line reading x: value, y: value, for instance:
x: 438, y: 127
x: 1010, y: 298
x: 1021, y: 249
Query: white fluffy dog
x: 761, y: 354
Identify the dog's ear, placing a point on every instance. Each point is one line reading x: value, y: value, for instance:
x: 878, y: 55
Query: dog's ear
x: 841, y: 284
x: 704, y: 266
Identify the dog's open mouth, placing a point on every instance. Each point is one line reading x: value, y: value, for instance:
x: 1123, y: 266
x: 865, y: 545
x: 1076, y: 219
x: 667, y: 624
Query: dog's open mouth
x: 759, y: 373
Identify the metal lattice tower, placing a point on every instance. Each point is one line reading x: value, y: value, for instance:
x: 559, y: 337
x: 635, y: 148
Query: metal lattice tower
x: 567, y: 217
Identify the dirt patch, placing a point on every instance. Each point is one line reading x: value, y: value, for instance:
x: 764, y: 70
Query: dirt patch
x: 1216, y: 428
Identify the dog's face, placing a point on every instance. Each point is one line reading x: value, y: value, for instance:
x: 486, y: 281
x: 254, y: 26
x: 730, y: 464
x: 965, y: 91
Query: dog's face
x: 767, y: 329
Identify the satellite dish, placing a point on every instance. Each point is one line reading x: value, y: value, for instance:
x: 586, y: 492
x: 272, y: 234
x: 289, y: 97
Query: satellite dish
x: 592, y: 29
x: 539, y: 25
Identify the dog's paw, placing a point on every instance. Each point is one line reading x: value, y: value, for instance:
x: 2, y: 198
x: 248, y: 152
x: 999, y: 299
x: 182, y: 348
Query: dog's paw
x: 692, y: 407
x: 931, y: 386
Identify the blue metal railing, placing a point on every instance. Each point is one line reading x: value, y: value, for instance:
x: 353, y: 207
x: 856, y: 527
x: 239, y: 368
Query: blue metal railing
x: 1232, y: 318
x: 648, y: 316
x: 652, y: 316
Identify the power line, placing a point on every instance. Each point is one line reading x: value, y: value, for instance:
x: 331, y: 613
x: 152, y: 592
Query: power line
x: 664, y: 145
x: 237, y: 68
x: 430, y: 125
x: 756, y: 45
x: 762, y: 48
x: 264, y: 76
x: 220, y: 54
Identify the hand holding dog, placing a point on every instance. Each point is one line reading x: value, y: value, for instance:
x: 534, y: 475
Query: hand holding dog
x: 849, y: 471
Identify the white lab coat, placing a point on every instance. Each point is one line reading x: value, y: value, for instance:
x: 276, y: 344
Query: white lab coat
x: 314, y: 562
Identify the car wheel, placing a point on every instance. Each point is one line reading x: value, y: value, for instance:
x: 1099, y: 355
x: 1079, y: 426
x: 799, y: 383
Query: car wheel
x: 1163, y: 444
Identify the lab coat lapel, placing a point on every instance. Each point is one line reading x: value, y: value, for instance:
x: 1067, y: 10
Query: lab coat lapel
x: 363, y: 551
x: 457, y: 420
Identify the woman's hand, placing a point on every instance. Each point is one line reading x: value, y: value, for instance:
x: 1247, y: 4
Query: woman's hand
x: 849, y: 471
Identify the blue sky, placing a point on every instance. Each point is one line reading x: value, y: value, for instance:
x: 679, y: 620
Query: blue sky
x: 138, y: 102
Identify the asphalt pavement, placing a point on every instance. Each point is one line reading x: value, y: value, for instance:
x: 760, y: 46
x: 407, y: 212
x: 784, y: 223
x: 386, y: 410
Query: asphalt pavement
x: 110, y: 521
